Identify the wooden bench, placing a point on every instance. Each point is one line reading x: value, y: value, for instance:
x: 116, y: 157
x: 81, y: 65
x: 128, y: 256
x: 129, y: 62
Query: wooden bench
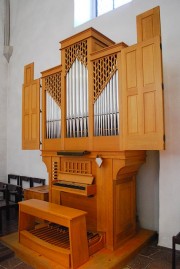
x: 73, y: 219
x: 40, y: 193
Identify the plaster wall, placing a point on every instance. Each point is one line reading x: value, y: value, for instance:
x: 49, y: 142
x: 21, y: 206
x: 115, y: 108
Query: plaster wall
x: 37, y: 27
x: 3, y: 100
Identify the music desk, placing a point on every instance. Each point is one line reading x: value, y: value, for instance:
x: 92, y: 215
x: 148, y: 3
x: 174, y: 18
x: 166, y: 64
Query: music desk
x: 40, y: 193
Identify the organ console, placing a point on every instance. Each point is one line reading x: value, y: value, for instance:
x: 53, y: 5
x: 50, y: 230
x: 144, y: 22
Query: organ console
x: 74, y: 183
x: 104, y: 100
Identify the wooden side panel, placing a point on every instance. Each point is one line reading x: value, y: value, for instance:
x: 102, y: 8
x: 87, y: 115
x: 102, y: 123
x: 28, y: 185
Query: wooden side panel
x: 78, y: 242
x: 28, y: 73
x: 148, y: 24
x: 25, y: 116
x: 88, y: 204
x: 124, y: 209
x: 35, y: 116
x: 142, y: 97
x: 30, y: 110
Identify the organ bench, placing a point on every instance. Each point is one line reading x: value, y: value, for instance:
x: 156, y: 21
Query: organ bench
x: 70, y: 254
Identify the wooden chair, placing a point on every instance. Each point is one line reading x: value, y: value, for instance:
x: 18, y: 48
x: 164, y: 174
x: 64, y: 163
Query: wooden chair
x: 25, y: 183
x: 37, y: 181
x: 175, y: 240
x: 3, y: 189
x: 13, y: 179
x: 14, y: 193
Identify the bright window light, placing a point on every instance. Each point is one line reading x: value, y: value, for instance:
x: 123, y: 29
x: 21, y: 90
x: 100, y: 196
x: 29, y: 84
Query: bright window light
x: 82, y: 11
x: 104, y: 6
x: 85, y: 10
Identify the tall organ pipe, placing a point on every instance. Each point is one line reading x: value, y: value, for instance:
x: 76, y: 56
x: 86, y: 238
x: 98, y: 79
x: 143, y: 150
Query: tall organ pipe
x: 77, y: 100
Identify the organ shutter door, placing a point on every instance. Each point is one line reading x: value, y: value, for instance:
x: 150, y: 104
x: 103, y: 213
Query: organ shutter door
x: 30, y: 110
x: 142, y: 97
x: 148, y: 24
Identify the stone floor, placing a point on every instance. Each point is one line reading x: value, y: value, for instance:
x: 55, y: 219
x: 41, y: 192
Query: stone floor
x: 151, y: 256
x: 8, y: 260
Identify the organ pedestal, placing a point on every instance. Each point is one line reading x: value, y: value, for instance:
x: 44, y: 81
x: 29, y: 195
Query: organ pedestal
x: 103, y: 101
x: 111, y: 209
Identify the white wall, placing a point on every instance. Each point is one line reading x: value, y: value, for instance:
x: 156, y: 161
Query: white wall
x: 170, y: 159
x: 148, y: 192
x: 37, y: 27
x: 3, y: 100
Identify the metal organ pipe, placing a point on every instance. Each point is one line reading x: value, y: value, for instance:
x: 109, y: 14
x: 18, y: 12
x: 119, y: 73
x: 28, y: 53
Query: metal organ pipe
x: 81, y: 99
x: 77, y: 100
x: 77, y: 104
x: 53, y: 118
x: 73, y: 100
x: 106, y: 109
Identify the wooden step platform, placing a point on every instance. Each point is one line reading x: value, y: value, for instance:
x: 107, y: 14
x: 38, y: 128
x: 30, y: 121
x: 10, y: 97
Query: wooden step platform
x: 102, y: 259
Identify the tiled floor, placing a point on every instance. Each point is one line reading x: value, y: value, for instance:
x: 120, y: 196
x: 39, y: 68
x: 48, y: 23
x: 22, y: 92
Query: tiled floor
x: 153, y: 257
x: 150, y: 257
x: 10, y: 226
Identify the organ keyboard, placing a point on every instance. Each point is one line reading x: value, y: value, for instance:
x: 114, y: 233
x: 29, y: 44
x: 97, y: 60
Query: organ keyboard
x: 78, y: 184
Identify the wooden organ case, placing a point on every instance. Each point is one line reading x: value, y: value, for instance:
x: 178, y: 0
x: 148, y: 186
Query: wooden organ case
x: 101, y: 109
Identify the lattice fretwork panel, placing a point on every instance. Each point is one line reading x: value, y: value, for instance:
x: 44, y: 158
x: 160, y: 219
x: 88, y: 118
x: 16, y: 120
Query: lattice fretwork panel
x: 76, y: 51
x: 53, y: 86
x: 76, y: 167
x: 103, y: 70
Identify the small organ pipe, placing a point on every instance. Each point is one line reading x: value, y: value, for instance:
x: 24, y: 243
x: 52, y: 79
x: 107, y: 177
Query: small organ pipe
x: 67, y: 104
x: 111, y: 104
x: 81, y: 99
x: 47, y: 119
x: 117, y: 102
x: 106, y: 109
x: 85, y: 101
x: 73, y: 100
x: 53, y: 117
x: 114, y: 104
x: 77, y: 97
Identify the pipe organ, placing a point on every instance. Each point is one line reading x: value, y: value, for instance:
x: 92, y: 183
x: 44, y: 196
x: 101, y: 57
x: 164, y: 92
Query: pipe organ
x: 102, y: 107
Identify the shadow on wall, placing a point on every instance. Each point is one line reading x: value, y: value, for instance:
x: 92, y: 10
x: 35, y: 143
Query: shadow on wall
x: 148, y: 192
